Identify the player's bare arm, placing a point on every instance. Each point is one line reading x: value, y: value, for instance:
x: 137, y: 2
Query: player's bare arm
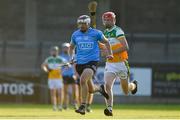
x: 108, y: 46
x: 125, y: 46
x: 44, y: 67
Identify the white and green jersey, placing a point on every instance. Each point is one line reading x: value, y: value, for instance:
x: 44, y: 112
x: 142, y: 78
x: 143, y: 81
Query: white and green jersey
x: 112, y: 35
x: 114, y: 32
x: 53, y: 64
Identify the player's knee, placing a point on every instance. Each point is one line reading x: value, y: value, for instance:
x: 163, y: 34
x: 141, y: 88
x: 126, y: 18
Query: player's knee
x: 86, y: 75
x: 91, y: 91
x: 123, y: 75
x: 88, y: 72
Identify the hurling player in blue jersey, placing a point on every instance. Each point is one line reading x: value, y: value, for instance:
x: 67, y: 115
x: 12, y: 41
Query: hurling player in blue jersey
x: 85, y: 40
x: 69, y: 78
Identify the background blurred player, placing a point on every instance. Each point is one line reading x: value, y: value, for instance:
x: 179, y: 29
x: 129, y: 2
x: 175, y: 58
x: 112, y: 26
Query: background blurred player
x: 69, y: 78
x: 51, y: 66
x: 85, y: 41
x: 118, y: 66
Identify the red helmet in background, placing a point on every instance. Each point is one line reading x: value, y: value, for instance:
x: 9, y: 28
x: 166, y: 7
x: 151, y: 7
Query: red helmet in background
x: 109, y: 19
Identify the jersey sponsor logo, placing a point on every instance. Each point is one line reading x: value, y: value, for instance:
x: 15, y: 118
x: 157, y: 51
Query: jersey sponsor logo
x: 83, y: 38
x: 110, y: 34
x: 85, y: 45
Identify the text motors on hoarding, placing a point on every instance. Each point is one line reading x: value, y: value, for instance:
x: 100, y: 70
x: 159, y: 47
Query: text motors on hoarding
x: 16, y: 89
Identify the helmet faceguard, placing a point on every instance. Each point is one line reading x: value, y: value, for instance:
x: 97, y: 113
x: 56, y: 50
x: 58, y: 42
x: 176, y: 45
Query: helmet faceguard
x: 83, y: 20
x: 109, y: 19
x: 65, y: 48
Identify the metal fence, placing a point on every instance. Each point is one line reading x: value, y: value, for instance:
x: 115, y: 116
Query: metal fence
x: 154, y: 48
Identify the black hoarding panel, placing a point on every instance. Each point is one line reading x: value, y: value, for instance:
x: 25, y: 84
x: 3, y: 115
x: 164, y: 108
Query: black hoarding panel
x: 22, y: 89
x: 166, y: 81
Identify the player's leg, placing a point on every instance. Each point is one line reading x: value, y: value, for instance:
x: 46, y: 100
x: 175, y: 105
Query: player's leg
x: 92, y: 89
x: 89, y: 102
x: 78, y: 91
x: 84, y: 78
x: 59, y: 86
x: 96, y: 88
x: 52, y: 94
x: 124, y: 77
x: 124, y: 82
x: 80, y: 95
x: 53, y: 98
x: 87, y: 71
x: 109, y: 78
x: 60, y: 98
x: 128, y: 87
x: 75, y: 94
x: 66, y: 100
x: 87, y: 86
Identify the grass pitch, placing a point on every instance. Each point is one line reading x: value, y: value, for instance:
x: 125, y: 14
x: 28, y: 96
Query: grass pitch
x: 151, y: 111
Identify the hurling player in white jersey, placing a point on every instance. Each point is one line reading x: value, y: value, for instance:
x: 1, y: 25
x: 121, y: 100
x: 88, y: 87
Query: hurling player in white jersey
x: 118, y: 66
x: 51, y: 66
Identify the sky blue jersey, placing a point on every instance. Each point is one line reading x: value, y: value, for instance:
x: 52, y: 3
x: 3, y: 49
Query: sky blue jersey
x: 86, y: 45
x: 67, y: 71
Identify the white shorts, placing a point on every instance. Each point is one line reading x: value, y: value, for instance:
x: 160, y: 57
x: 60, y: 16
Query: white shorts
x: 119, y: 69
x: 55, y: 84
